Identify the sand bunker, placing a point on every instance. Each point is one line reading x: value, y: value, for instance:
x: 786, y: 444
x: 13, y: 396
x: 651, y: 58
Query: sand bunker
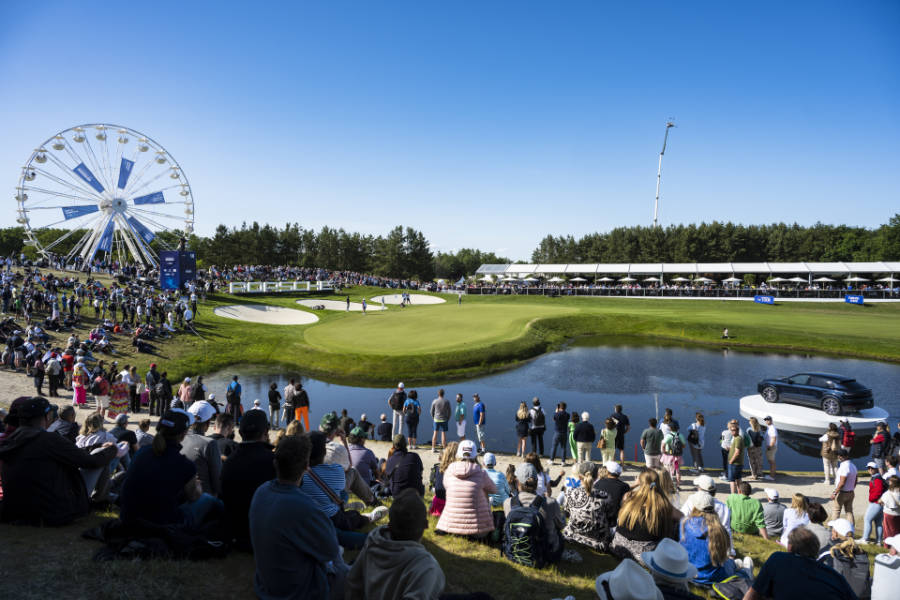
x: 340, y: 305
x: 415, y: 299
x: 270, y: 315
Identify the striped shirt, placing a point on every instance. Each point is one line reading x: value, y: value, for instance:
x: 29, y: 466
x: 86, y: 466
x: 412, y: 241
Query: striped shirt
x: 333, y: 476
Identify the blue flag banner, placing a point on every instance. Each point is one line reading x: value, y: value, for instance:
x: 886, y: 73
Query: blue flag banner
x: 82, y: 171
x: 169, y: 270
x: 125, y: 172
x: 154, y: 198
x: 764, y: 299
x: 142, y: 230
x: 73, y: 212
x: 105, y: 242
x: 854, y: 299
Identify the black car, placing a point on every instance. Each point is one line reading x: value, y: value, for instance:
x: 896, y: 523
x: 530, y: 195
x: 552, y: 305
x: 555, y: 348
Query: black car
x: 834, y: 394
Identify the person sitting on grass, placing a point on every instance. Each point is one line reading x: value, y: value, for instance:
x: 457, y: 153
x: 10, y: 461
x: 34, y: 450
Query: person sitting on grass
x: 645, y: 519
x: 468, y: 510
x: 499, y: 479
x: 42, y: 484
x: 608, y: 481
x: 436, y: 481
x: 143, y: 435
x: 707, y: 544
x: 403, y: 468
x: 363, y: 459
x: 845, y: 556
x: 383, y: 431
x: 223, y: 432
x: 746, y: 512
x: 526, y: 483
x: 338, y: 452
x: 672, y: 570
x: 65, y: 425
x: 588, y: 510
x: 394, y: 563
x: 292, y: 554
x: 202, y: 450
x: 796, y: 574
x: 795, y: 516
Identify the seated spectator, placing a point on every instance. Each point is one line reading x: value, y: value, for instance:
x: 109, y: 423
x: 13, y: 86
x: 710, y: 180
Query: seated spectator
x: 817, y: 517
x: 773, y: 513
x: 202, y: 450
x: 645, y: 519
x: 65, y: 425
x: 436, y: 480
x: 588, y: 510
x: 746, y: 512
x: 223, y: 433
x: 615, y: 489
x: 499, y: 480
x: 628, y: 581
x: 162, y: 485
x: 707, y: 545
x: 795, y: 516
x: 845, y: 556
x: 292, y: 554
x: 545, y: 484
x: 468, y: 510
x: 249, y: 467
x: 42, y: 484
x: 384, y: 429
x: 671, y: 570
x: 363, y: 459
x: 403, y: 468
x: 706, y: 485
x: 796, y: 574
x: 526, y: 483
x: 143, y: 435
x: 367, y: 427
x: 123, y: 434
x: 394, y: 563
x: 338, y: 452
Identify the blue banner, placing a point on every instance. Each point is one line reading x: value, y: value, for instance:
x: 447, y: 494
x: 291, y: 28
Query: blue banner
x: 125, y: 172
x: 854, y: 299
x: 764, y: 299
x: 154, y: 198
x: 73, y: 212
x: 169, y: 270
x: 82, y: 171
x: 105, y: 242
x: 141, y: 229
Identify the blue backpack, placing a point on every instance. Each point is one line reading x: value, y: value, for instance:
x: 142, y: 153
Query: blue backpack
x: 524, y: 534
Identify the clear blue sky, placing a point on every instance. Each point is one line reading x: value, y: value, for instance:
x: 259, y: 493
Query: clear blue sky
x: 483, y: 124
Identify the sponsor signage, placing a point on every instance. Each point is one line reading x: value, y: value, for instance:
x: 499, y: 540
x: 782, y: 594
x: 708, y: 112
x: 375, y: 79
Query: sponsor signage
x: 764, y: 299
x: 141, y: 229
x: 73, y: 212
x: 82, y: 171
x: 854, y: 299
x: 105, y: 242
x: 176, y: 267
x: 154, y: 198
x: 125, y: 172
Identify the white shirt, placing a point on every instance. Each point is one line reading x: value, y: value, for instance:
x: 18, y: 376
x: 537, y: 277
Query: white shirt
x: 891, y: 501
x: 771, y: 436
x: 727, y: 437
x: 664, y: 427
x: 848, y: 469
x: 701, y: 433
x: 892, y: 472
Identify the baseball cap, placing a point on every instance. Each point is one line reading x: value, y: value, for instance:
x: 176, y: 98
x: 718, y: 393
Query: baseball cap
x: 893, y: 541
x: 187, y: 379
x: 842, y: 526
x: 525, y: 471
x: 152, y: 365
x: 253, y: 423
x: 25, y: 408
x: 400, y: 385
x: 212, y: 397
x: 871, y: 465
x: 771, y: 493
x: 122, y: 419
x: 202, y: 410
x: 466, y: 449
x: 328, y: 423
x: 358, y: 432
x: 767, y: 418
x: 175, y: 419
x: 613, y: 467
x: 705, y: 483
x: 489, y: 459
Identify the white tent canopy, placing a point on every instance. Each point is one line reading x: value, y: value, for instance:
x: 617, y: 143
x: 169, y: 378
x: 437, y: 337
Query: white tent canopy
x: 728, y: 268
x: 823, y: 280
x: 732, y: 280
x: 578, y: 279
x: 856, y: 278
x: 555, y: 279
x: 797, y: 280
x: 680, y: 279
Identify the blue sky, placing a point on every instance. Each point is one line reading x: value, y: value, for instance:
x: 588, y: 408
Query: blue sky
x: 483, y: 124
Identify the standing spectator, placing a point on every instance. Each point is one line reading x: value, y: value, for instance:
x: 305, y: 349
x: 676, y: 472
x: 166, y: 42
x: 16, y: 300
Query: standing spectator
x: 773, y: 512
x: 795, y: 516
x: 133, y: 380
x: 274, y: 405
x: 848, y: 436
x: 538, y: 425
x: 459, y: 416
x: 735, y: 456
x: 844, y: 492
x: 651, y: 443
x: 479, y: 416
x: 754, y: 450
x: 395, y: 402
x: 584, y: 437
x: 100, y: 391
x: 287, y: 410
x: 796, y: 574
x: 879, y: 446
x: 411, y: 411
x: 440, y: 414
x: 747, y: 514
x: 696, y: 437
x: 560, y: 431
x: 831, y: 444
x: 725, y: 440
x: 233, y: 399
x: 54, y: 372
x: 771, y: 443
x: 151, y: 378
x: 163, y: 393
x: 607, y: 443
x: 573, y: 449
x: 523, y: 419
x: 404, y: 468
x: 468, y: 510
x: 667, y: 422
x: 37, y: 372
x: 875, y: 511
x: 890, y: 500
x: 383, y: 431
x: 623, y: 425
x: 202, y: 450
x: 672, y: 448
x: 301, y: 404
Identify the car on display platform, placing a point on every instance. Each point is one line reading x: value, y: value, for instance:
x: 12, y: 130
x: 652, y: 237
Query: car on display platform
x: 833, y: 394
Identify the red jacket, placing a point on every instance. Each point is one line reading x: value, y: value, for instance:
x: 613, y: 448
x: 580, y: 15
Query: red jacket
x: 877, y: 487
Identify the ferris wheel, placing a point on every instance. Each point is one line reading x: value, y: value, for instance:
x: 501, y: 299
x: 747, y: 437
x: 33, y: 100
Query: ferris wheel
x: 102, y: 191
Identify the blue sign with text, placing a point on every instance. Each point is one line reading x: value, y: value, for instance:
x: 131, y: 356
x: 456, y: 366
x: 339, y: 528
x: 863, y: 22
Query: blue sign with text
x: 106, y: 239
x: 82, y: 171
x: 764, y: 299
x: 154, y: 198
x: 141, y: 229
x: 854, y: 299
x: 73, y: 212
x: 176, y: 267
x: 125, y: 172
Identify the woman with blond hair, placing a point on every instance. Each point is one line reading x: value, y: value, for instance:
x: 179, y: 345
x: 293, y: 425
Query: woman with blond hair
x: 646, y: 517
x: 523, y: 420
x: 754, y: 450
x: 795, y: 516
x: 707, y: 544
x: 448, y: 456
x: 667, y: 485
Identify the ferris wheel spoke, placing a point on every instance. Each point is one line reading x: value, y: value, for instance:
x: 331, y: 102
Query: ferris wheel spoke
x: 128, y: 236
x: 72, y: 221
x: 147, y: 183
x: 137, y: 178
x: 154, y: 213
x: 65, y: 184
x: 101, y: 168
x: 61, y: 239
x: 79, y: 182
x: 54, y: 193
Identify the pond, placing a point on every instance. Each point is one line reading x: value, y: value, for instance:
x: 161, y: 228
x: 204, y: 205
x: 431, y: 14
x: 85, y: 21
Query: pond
x: 645, y: 379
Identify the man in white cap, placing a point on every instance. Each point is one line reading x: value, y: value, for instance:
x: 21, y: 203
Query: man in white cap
x: 671, y: 569
x: 773, y: 513
x: 203, y: 451
x: 396, y: 401
x: 847, y: 558
x: 615, y: 489
x: 628, y: 581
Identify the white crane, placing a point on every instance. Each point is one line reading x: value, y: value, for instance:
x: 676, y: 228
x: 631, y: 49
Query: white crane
x: 669, y: 125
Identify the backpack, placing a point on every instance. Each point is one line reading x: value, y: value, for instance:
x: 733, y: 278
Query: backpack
x: 230, y: 396
x: 524, y: 535
x: 731, y: 588
x: 409, y: 409
x: 676, y: 446
x: 848, y: 437
x: 756, y: 438
x: 855, y: 571
x: 539, y: 421
x: 396, y: 401
x: 693, y: 437
x: 159, y: 389
x: 95, y: 388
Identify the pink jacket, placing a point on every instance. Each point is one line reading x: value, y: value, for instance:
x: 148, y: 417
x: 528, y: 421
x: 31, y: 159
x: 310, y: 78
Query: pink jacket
x: 468, y: 511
